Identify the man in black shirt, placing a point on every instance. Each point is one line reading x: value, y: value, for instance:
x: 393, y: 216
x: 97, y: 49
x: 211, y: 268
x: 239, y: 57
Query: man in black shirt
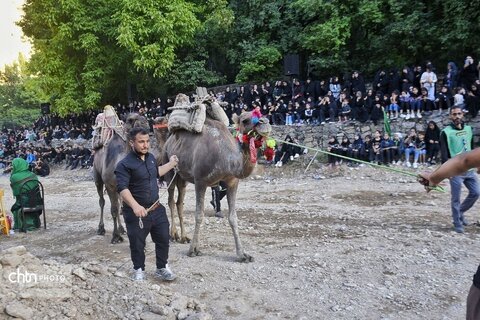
x: 137, y: 182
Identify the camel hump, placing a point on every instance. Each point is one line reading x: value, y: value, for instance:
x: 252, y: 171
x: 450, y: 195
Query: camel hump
x: 106, y: 124
x: 191, y: 116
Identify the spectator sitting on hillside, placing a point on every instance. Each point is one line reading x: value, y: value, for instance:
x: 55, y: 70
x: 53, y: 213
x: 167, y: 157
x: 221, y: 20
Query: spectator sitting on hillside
x: 397, y: 148
x: 432, y: 139
x: 41, y: 168
x: 386, y: 150
x: 333, y: 147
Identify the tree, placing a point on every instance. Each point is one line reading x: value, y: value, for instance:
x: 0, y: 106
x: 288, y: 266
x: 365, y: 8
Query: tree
x: 86, y: 52
x: 19, y: 98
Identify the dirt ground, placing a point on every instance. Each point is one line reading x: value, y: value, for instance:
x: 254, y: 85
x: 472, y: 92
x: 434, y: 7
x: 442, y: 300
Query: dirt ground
x: 350, y: 243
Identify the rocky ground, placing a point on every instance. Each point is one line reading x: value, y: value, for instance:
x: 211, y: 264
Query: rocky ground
x: 346, y: 243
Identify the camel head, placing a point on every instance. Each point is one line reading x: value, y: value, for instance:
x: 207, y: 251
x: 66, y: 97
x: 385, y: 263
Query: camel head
x: 136, y: 120
x: 250, y: 124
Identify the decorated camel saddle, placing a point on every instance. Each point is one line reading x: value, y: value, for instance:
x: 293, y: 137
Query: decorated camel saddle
x: 106, y: 124
x: 191, y: 116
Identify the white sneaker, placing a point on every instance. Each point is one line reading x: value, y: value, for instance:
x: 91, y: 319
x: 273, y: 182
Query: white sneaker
x: 279, y: 163
x: 415, y: 165
x: 138, y: 275
x: 296, y: 155
x: 407, y: 117
x: 399, y: 162
x: 408, y: 164
x: 305, y: 151
x: 165, y: 274
x: 419, y: 115
x: 291, y: 158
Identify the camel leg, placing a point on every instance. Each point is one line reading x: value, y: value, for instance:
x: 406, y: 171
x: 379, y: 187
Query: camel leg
x: 199, y: 215
x: 182, y: 189
x: 121, y: 229
x: 171, y: 205
x: 101, y: 202
x: 116, y: 237
x: 232, y: 219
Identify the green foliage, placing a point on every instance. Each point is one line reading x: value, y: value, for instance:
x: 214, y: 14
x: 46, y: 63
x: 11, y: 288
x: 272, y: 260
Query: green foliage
x: 19, y: 96
x: 87, y: 52
x: 190, y: 74
x: 261, y: 66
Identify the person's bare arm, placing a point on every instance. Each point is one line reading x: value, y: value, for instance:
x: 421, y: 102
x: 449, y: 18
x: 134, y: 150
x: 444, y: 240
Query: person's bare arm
x: 453, y: 167
x: 162, y: 170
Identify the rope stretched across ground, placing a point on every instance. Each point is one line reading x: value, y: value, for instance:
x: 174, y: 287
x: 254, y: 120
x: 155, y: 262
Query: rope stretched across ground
x: 407, y: 173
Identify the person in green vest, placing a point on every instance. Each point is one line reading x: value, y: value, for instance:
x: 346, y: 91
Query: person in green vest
x: 21, y: 174
x: 455, y: 139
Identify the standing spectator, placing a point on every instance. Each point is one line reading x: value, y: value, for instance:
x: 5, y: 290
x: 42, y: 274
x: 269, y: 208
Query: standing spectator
x: 455, y: 139
x: 358, y: 84
x: 218, y: 193
x: 428, y: 81
x: 406, y: 78
x: 450, y: 79
x: 393, y: 81
x: 469, y: 73
x: 472, y: 100
x: 380, y: 82
x: 417, y: 75
x: 432, y: 138
x: 335, y: 87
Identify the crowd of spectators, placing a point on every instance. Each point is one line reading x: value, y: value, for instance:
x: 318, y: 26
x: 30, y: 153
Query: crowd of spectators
x: 411, y: 92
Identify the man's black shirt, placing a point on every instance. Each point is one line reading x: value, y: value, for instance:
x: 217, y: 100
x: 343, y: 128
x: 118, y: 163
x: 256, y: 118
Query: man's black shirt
x: 138, y: 176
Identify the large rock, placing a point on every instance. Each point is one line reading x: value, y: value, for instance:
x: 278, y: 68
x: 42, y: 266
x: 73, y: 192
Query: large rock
x: 19, y: 310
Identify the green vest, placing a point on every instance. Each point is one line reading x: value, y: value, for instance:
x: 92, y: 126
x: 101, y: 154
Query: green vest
x: 459, y: 141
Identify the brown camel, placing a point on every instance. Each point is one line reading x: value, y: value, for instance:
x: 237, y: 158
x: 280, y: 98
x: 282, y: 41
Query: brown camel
x: 104, y: 163
x: 205, y: 159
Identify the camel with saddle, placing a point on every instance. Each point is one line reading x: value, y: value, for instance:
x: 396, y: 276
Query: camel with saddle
x: 208, y: 153
x: 110, y: 146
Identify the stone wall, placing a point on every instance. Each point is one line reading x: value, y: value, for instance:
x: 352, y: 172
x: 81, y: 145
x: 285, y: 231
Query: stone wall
x: 317, y: 136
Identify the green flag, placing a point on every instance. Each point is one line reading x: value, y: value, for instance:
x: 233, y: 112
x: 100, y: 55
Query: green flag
x: 386, y: 124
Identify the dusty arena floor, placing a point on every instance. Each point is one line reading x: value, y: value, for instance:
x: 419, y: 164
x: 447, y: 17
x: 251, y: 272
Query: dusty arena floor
x: 330, y: 244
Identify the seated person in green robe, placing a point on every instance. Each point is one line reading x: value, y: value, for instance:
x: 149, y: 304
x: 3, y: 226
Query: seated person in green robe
x: 20, y: 175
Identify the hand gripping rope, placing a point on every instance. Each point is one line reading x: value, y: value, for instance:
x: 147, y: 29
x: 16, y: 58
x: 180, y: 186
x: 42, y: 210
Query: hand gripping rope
x: 156, y: 204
